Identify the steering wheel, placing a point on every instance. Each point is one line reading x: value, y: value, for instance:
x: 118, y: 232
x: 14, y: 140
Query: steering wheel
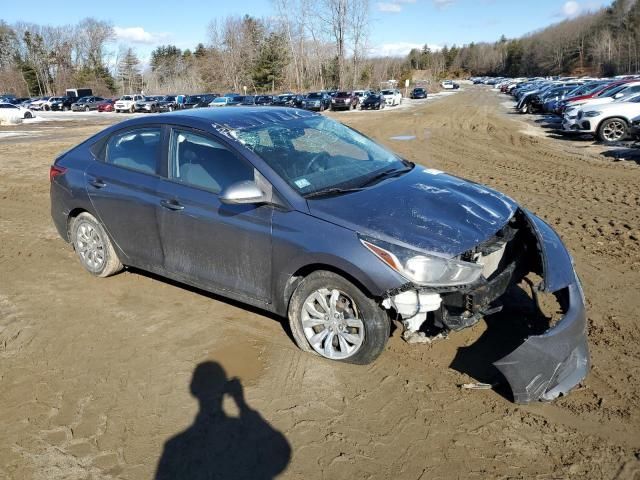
x: 312, y: 162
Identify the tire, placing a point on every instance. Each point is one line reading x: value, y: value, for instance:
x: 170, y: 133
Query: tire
x: 93, y: 246
x: 28, y: 115
x: 132, y: 109
x: 321, y: 108
x: 47, y: 108
x: 65, y: 108
x: 369, y: 323
x: 87, y: 109
x: 525, y: 108
x: 170, y: 108
x: 613, y: 130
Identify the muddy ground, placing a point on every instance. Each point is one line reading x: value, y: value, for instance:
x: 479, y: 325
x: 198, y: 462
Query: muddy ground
x: 97, y: 374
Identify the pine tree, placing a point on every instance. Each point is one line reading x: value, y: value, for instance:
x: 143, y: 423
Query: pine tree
x: 129, y: 72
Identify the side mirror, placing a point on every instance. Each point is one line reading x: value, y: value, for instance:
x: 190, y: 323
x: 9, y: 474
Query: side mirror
x: 242, y: 193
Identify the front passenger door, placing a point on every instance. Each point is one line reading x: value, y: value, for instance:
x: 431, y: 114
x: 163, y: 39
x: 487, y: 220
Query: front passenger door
x: 216, y: 246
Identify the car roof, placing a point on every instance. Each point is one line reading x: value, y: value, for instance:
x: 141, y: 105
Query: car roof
x: 229, y: 118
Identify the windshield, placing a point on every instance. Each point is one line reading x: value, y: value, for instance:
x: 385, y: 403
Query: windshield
x: 317, y: 153
x: 609, y: 92
x: 387, y: 92
x: 125, y: 97
x: 314, y: 95
x: 342, y: 94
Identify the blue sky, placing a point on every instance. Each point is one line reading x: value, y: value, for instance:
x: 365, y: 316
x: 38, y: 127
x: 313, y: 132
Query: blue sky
x: 397, y: 25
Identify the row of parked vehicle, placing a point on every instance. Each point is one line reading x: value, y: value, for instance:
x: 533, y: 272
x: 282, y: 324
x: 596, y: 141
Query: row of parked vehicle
x: 319, y: 101
x: 607, y: 108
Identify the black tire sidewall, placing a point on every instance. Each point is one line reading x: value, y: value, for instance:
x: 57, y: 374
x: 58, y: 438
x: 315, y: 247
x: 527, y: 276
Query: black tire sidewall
x: 375, y: 319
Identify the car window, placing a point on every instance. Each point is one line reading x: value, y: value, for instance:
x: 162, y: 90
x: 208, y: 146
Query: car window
x: 202, y: 162
x: 135, y: 149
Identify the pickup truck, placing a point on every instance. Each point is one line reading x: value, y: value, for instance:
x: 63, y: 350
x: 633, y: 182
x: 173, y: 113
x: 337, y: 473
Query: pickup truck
x: 127, y: 103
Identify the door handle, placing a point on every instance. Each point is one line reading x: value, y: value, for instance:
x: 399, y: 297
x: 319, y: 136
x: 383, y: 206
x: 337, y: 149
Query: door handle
x: 171, y: 205
x: 97, y: 183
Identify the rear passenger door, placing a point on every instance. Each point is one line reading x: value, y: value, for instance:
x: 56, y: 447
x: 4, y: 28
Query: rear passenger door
x: 122, y: 187
x: 216, y: 246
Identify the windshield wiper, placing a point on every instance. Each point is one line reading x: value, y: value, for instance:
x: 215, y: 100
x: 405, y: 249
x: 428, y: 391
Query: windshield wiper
x: 386, y: 174
x: 326, y: 192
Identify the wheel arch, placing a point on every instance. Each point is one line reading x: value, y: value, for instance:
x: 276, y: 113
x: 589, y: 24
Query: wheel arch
x: 305, y: 270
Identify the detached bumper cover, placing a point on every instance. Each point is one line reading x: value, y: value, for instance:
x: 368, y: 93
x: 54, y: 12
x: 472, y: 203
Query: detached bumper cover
x: 549, y: 365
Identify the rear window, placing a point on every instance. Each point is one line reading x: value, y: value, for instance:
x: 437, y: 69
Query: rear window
x: 135, y: 149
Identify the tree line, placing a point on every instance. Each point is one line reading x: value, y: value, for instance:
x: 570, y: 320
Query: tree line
x: 601, y: 43
x: 304, y: 45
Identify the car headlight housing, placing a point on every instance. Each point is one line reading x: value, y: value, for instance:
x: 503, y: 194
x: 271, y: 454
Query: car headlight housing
x: 422, y: 268
x: 592, y: 113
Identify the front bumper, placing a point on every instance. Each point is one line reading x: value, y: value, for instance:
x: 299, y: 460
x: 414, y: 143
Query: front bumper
x: 547, y: 366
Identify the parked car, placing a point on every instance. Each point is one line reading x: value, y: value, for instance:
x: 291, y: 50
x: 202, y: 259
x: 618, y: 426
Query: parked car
x: 392, y: 97
x: 264, y: 100
x: 127, y: 103
x: 107, y: 105
x: 570, y: 122
x: 362, y: 94
x: 148, y: 103
x: 345, y: 101
x: 317, y: 101
x: 86, y: 104
x: 285, y: 100
x: 248, y: 101
x: 167, y: 103
x: 220, y: 102
x: 38, y: 103
x: 451, y: 85
x: 297, y: 214
x: 375, y: 101
x: 9, y: 109
x: 62, y: 103
x: 634, y: 131
x: 418, y: 92
x: 610, y: 122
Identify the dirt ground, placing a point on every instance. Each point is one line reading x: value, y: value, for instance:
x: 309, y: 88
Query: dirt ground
x: 96, y: 375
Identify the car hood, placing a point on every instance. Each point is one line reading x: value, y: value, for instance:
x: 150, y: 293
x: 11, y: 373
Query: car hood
x: 425, y: 209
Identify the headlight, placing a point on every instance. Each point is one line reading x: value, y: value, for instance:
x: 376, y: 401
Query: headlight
x: 592, y: 113
x: 347, y: 100
x: 422, y: 268
x: 333, y: 100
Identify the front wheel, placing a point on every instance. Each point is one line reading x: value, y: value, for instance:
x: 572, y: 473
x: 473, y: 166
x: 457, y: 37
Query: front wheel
x: 331, y: 317
x: 93, y: 246
x: 87, y: 109
x: 28, y: 115
x: 612, y: 130
x: 132, y: 109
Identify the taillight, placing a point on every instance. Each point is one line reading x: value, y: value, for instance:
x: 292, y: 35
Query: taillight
x: 55, y: 170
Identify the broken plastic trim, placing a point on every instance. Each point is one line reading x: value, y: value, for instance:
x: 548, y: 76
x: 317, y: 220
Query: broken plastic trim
x: 549, y: 365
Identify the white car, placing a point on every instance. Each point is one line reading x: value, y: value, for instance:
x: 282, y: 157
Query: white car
x: 392, y: 97
x: 127, y: 103
x: 39, y: 103
x: 570, y: 117
x: 610, y: 122
x: 449, y: 85
x: 11, y: 110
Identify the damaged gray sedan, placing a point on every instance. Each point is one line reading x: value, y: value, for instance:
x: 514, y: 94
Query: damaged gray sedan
x: 300, y: 215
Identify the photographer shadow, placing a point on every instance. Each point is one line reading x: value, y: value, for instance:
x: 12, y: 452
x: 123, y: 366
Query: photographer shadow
x: 217, y: 446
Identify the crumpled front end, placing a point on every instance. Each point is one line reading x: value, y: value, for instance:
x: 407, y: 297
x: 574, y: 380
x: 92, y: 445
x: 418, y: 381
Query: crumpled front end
x: 544, y: 366
x: 549, y: 365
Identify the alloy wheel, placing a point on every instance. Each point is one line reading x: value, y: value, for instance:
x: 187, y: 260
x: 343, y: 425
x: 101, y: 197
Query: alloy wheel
x: 90, y: 246
x: 614, y: 131
x: 331, y: 324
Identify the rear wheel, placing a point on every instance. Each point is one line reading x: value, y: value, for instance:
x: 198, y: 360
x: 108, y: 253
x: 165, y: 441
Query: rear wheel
x: 93, y: 246
x: 28, y: 115
x: 612, y: 130
x: 331, y: 317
